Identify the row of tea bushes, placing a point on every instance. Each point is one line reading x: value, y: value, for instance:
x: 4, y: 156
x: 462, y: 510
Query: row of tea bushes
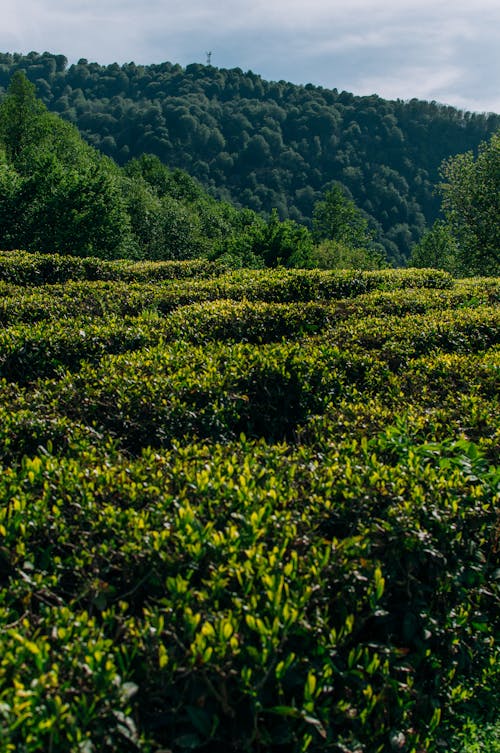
x: 101, y: 299
x: 396, y: 339
x: 24, y: 268
x: 32, y: 350
x: 234, y: 519
x: 464, y: 407
x: 246, y: 597
x: 464, y: 294
x: 465, y: 404
x: 294, y: 285
x: 159, y: 394
x: 94, y: 300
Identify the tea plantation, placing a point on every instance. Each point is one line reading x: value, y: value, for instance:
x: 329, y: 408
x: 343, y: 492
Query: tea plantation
x: 253, y: 512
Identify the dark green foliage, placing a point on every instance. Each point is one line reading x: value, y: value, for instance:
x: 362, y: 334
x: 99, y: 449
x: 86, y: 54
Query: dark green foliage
x: 23, y: 268
x: 471, y: 203
x: 20, y: 117
x: 437, y: 249
x: 58, y: 193
x: 266, y: 144
x: 172, y: 217
x: 468, y: 241
x: 253, y: 511
x: 278, y: 243
x: 343, y: 238
x: 338, y: 255
x: 336, y: 218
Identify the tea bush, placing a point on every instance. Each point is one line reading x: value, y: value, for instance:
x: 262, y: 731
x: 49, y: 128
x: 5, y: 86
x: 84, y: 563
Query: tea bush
x: 330, y: 591
x: 251, y: 511
x: 24, y: 268
x: 77, y: 298
x: 36, y: 349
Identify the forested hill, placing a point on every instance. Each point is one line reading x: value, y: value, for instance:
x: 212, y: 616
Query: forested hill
x: 265, y: 144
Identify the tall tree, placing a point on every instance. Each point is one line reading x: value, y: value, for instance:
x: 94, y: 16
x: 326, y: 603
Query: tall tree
x: 58, y: 194
x: 437, y: 249
x: 20, y: 116
x: 337, y: 218
x: 471, y: 204
x: 265, y: 144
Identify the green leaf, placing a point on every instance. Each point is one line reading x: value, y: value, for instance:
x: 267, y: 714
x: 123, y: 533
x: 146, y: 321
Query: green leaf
x: 201, y: 719
x: 188, y: 741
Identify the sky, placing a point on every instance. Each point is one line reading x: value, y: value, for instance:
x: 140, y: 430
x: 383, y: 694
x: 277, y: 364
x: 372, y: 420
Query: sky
x: 442, y: 50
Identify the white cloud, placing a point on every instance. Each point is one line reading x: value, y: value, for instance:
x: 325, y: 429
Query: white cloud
x: 427, y: 83
x: 438, y: 49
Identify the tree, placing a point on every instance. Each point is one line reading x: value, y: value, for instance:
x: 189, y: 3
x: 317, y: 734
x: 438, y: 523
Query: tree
x: 181, y: 230
x: 338, y: 255
x: 285, y: 243
x: 20, y: 115
x: 437, y: 249
x: 10, y: 183
x: 276, y: 149
x: 337, y: 218
x: 58, y: 194
x: 471, y: 205
x: 77, y: 211
x: 144, y: 209
x: 277, y: 243
x: 342, y: 235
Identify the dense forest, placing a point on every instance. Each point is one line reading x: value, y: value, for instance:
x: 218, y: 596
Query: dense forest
x: 58, y: 193
x: 265, y: 145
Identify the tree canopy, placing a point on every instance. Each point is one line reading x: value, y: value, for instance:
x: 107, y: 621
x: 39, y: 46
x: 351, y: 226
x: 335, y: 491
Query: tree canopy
x: 337, y: 218
x: 265, y: 145
x: 59, y: 194
x: 471, y: 204
x: 21, y: 116
x: 467, y: 240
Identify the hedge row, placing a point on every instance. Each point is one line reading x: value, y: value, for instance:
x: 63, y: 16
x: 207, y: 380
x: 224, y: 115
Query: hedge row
x: 216, y: 391
x: 260, y: 526
x: 246, y: 597
x: 396, y: 339
x: 78, y: 299
x: 34, y: 350
x: 464, y: 294
x: 23, y: 268
x: 446, y: 396
x: 101, y: 299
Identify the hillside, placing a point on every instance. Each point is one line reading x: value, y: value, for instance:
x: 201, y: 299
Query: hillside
x: 262, y: 144
x: 253, y: 511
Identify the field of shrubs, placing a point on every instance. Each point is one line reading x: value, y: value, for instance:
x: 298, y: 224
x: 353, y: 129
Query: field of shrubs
x: 252, y: 511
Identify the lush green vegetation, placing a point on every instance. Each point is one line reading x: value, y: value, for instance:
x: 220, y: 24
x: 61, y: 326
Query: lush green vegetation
x: 247, y: 510
x: 265, y: 145
x: 58, y: 193
x: 468, y: 241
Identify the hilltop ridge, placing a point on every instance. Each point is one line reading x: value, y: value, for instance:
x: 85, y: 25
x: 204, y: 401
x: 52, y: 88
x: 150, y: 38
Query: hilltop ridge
x: 261, y: 144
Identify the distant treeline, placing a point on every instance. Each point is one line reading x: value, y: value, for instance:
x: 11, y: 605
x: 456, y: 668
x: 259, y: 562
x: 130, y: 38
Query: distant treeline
x: 59, y: 194
x: 265, y: 145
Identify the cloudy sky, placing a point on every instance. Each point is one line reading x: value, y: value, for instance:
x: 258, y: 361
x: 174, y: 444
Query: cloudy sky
x: 443, y: 50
